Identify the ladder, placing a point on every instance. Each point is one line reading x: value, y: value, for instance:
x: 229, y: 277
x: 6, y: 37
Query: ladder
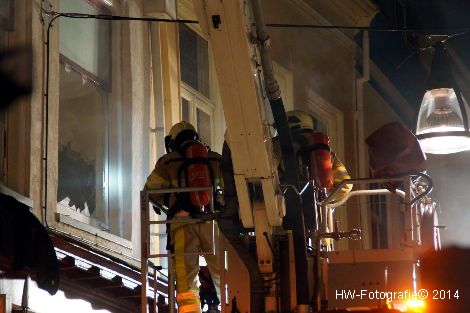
x: 146, y: 249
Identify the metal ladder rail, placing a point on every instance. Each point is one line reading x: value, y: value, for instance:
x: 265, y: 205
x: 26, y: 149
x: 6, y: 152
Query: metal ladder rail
x: 406, y: 195
x: 406, y: 179
x: 145, y: 242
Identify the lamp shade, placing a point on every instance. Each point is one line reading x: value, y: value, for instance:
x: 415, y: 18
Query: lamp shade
x: 442, y: 126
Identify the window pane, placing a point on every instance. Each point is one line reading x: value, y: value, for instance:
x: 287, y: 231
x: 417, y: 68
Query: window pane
x: 378, y: 209
x: 82, y: 146
x: 194, y: 60
x: 204, y: 126
x: 185, y: 110
x: 85, y: 44
x: 95, y: 131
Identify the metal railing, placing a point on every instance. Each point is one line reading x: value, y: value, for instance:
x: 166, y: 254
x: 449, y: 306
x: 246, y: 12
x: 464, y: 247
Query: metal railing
x: 411, y: 235
x: 146, y: 251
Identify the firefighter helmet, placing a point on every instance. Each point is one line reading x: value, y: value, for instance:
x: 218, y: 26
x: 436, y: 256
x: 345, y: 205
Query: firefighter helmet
x: 180, y: 127
x: 299, y: 121
x: 180, y: 133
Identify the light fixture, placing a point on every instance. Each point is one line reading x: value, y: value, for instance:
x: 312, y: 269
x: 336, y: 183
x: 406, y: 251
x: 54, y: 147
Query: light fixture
x: 442, y: 126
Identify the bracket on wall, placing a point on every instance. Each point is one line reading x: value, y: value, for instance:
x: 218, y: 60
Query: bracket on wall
x: 216, y: 21
x: 46, y: 12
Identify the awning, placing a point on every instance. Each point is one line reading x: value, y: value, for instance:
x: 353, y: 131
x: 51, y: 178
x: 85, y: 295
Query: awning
x: 105, y: 282
x: 25, y: 246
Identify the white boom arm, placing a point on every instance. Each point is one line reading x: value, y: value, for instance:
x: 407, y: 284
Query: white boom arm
x: 228, y: 26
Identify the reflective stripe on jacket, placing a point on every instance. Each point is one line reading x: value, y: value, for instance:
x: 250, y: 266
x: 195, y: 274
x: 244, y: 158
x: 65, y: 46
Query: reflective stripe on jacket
x: 165, y: 175
x: 340, y: 172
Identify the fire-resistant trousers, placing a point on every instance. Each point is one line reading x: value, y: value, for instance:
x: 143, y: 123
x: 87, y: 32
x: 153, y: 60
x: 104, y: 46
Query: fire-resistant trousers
x: 193, y: 238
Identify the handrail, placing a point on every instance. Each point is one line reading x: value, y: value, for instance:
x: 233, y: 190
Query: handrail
x: 367, y: 192
x: 145, y: 238
x: 426, y: 191
x: 328, y: 202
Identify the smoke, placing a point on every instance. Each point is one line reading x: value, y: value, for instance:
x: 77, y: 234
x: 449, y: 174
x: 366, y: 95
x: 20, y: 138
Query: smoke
x: 451, y: 190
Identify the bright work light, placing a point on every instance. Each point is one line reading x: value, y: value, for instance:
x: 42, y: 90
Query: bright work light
x: 442, y: 126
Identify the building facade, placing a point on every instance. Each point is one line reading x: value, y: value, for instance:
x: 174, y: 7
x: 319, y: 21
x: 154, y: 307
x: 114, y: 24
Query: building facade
x: 107, y: 91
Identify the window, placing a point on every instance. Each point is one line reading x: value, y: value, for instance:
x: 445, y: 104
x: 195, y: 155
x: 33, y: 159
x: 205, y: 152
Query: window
x: 93, y: 169
x: 92, y: 60
x: 196, y: 106
x: 204, y: 125
x: 319, y: 125
x: 378, y: 212
x: 286, y: 84
x: 198, y: 111
x: 328, y: 119
x: 194, y: 60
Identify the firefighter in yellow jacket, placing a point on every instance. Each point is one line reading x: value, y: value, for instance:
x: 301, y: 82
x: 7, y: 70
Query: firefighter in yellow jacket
x: 302, y: 125
x: 186, y: 237
x: 301, y: 122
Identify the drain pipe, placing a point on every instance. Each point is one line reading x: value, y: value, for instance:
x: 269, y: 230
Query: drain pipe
x: 360, y: 135
x: 293, y: 200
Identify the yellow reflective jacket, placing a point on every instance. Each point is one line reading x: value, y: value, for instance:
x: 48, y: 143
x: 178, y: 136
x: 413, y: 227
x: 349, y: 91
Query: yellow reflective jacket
x: 340, y: 172
x: 165, y: 175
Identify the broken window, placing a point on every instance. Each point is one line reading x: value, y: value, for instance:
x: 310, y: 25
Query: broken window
x: 93, y: 167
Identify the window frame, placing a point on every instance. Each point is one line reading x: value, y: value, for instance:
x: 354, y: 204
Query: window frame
x: 332, y: 117
x: 286, y: 80
x: 379, y: 208
x: 87, y: 75
x: 65, y: 214
x: 196, y: 99
x: 77, y: 219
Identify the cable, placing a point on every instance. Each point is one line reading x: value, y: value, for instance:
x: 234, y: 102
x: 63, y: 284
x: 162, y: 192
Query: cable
x: 344, y: 27
x: 456, y: 35
x: 444, y: 31
x: 46, y: 105
x: 265, y: 234
x: 417, y: 51
x: 119, y: 17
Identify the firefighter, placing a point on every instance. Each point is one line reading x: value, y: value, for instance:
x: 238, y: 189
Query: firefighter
x: 177, y: 169
x: 301, y: 125
x: 302, y: 129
